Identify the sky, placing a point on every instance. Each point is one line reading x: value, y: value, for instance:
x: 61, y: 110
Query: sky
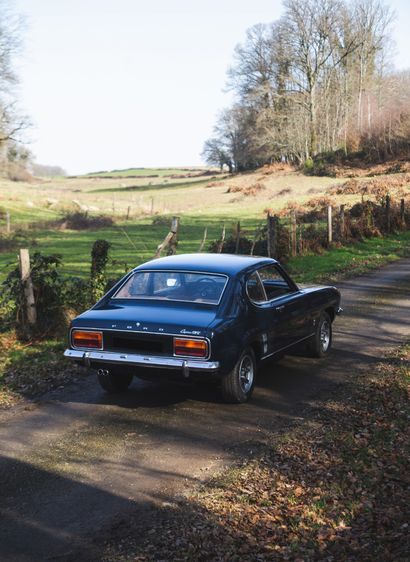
x: 110, y: 84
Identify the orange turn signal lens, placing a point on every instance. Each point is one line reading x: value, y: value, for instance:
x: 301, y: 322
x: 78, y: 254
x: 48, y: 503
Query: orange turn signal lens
x: 190, y: 348
x: 80, y: 338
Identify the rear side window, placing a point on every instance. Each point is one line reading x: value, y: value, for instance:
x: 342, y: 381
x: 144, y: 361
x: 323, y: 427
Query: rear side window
x: 274, y: 283
x: 255, y: 289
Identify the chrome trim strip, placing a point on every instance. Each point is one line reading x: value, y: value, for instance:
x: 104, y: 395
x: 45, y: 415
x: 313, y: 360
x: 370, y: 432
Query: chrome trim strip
x: 287, y: 346
x: 255, y: 303
x: 339, y: 310
x: 182, y: 336
x: 142, y: 360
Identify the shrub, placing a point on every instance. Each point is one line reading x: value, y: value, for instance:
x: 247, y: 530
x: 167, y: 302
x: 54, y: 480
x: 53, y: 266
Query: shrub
x: 18, y: 239
x: 161, y: 220
x: 54, y: 296
x: 81, y: 220
x: 229, y: 245
x: 308, y: 166
x: 17, y: 172
x: 260, y: 245
x: 99, y: 259
x: 249, y: 190
x: 76, y: 294
x: 313, y: 240
x: 47, y: 286
x: 285, y: 191
x: 319, y: 166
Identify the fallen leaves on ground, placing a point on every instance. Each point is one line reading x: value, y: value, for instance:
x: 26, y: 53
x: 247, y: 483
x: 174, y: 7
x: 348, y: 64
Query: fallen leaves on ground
x: 335, y: 488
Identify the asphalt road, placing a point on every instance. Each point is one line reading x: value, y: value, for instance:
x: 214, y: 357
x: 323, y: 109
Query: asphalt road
x: 78, y: 461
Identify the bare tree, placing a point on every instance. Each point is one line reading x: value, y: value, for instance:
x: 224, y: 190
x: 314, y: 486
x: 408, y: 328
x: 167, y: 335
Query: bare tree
x: 11, y: 122
x: 216, y: 153
x: 313, y: 82
x: 372, y: 20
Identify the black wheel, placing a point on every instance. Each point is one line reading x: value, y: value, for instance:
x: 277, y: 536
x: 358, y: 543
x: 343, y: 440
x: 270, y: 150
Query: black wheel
x: 320, y: 344
x: 237, y: 386
x: 113, y: 382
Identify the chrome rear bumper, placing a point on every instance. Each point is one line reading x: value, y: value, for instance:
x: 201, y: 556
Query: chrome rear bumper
x: 186, y: 365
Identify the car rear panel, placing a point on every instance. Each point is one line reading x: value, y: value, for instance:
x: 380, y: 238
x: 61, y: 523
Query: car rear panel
x: 126, y: 342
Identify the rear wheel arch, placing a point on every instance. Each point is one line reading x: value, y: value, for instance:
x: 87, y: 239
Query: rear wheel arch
x: 257, y: 349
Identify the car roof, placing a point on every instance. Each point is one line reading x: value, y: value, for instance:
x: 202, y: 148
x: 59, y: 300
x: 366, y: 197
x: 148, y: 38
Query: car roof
x: 228, y: 264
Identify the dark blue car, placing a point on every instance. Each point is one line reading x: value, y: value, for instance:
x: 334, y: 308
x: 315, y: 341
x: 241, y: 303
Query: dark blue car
x: 212, y: 316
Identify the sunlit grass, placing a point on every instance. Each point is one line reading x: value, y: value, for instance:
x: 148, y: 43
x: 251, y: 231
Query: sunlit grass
x: 352, y: 259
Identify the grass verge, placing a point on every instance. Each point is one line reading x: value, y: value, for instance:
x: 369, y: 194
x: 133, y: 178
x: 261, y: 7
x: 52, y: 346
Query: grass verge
x: 353, y: 259
x: 29, y: 370
x: 335, y: 488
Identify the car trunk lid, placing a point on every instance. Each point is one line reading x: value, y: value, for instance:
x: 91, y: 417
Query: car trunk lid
x: 150, y: 319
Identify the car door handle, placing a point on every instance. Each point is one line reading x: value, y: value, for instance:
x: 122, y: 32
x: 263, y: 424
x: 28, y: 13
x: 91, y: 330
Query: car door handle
x: 280, y: 308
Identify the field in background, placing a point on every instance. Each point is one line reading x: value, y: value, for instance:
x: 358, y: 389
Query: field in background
x: 191, y: 194
x: 148, y: 172
x: 202, y: 198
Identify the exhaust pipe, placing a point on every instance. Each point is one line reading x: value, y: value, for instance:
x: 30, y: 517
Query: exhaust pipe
x: 185, y: 369
x: 103, y: 372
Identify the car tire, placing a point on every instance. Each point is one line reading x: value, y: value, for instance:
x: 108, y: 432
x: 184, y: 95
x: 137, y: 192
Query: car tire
x: 319, y: 344
x: 237, y: 386
x: 114, y: 382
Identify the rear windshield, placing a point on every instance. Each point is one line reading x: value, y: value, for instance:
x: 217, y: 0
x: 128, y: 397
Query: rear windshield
x: 184, y: 286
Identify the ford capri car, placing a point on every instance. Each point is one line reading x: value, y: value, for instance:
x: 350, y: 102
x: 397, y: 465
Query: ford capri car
x: 201, y: 316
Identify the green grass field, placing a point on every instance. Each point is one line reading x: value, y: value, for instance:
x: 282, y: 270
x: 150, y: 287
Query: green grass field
x: 200, y: 201
x: 132, y: 242
x: 136, y: 242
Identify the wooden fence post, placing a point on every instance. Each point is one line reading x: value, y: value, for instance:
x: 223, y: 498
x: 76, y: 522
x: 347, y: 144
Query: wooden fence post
x: 272, y: 235
x: 293, y: 237
x: 221, y: 241
x: 342, y: 224
x: 8, y: 227
x: 329, y: 225
x: 388, y: 217
x: 402, y: 213
x: 201, y: 247
x: 238, y: 237
x: 128, y: 213
x: 300, y: 244
x: 25, y: 274
x: 255, y: 238
x: 173, y: 243
x: 170, y: 240
x: 152, y: 206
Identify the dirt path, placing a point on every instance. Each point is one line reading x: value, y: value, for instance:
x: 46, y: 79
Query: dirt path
x: 80, y: 461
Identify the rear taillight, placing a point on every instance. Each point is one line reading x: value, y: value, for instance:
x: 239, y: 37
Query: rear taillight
x: 186, y: 347
x: 87, y: 339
